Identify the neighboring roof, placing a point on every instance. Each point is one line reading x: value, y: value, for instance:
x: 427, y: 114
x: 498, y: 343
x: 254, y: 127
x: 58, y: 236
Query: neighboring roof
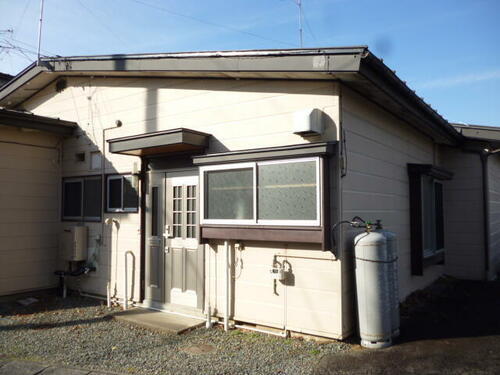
x: 28, y: 120
x: 357, y: 67
x: 4, y: 77
x: 482, y: 133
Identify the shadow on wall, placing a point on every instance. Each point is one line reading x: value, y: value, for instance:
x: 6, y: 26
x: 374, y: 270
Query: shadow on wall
x: 150, y: 112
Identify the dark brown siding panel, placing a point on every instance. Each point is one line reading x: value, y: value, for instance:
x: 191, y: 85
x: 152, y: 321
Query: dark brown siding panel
x: 263, y: 234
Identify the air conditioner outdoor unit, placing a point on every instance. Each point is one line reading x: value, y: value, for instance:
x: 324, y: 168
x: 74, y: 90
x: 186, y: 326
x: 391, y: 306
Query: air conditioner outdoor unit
x: 73, y: 244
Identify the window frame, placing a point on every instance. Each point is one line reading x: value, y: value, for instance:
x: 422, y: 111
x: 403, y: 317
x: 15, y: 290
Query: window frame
x: 428, y: 253
x: 122, y: 209
x: 419, y: 258
x: 255, y: 221
x: 81, y: 180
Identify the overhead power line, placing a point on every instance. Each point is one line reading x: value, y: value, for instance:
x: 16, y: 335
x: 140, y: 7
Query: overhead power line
x: 210, y: 23
x: 98, y: 19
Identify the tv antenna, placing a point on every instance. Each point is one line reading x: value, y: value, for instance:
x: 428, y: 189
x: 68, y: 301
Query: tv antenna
x: 299, y: 4
x: 39, y: 32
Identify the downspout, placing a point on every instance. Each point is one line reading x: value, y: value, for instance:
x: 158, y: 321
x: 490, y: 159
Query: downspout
x: 227, y: 282
x: 142, y: 275
x: 118, y: 124
x: 486, y: 209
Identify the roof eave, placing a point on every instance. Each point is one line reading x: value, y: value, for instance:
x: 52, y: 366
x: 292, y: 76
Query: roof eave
x: 35, y: 122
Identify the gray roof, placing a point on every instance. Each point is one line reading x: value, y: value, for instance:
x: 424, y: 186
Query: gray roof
x: 480, y: 133
x: 356, y: 67
x: 29, y: 120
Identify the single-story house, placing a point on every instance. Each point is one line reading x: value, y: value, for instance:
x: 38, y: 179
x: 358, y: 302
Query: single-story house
x: 217, y: 177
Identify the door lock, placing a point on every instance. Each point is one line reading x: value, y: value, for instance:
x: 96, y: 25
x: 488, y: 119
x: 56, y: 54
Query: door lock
x: 168, y: 229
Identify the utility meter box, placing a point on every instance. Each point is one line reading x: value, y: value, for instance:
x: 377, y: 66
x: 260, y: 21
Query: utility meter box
x: 277, y: 273
x: 73, y: 244
x: 308, y: 122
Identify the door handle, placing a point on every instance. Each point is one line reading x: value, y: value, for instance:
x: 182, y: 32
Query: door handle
x: 166, y: 248
x: 168, y: 231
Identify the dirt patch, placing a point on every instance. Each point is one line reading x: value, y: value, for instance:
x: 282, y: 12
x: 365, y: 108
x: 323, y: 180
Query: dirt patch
x: 452, y: 327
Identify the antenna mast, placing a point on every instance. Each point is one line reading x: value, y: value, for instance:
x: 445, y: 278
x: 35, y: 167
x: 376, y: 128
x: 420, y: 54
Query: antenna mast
x: 299, y: 4
x: 40, y: 32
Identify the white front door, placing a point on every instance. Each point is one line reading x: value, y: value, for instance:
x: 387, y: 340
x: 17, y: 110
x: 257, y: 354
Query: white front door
x: 182, y: 246
x: 174, y: 257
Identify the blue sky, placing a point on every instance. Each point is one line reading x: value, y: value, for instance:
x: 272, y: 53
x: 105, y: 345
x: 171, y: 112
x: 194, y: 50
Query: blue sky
x: 447, y: 50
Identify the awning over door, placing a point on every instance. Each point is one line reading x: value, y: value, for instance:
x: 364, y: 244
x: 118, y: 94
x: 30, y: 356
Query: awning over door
x: 162, y: 142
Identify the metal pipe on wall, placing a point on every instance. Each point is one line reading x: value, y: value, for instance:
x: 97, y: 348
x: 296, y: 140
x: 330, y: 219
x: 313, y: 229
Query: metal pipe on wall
x: 227, y: 281
x: 125, y: 299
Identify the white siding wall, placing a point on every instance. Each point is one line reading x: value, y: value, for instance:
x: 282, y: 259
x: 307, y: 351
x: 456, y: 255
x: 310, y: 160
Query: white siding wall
x: 240, y: 114
x: 379, y: 146
x: 308, y: 301
x: 494, y: 192
x: 463, y: 203
x: 29, y: 210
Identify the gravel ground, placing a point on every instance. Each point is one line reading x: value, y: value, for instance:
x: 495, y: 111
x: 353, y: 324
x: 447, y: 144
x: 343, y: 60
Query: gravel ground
x: 79, y: 332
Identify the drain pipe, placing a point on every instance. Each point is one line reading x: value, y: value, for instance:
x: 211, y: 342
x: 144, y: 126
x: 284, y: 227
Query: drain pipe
x: 125, y: 300
x: 228, y: 281
x: 110, y: 257
x: 486, y: 206
x: 486, y: 211
x: 209, y: 309
x: 118, y: 124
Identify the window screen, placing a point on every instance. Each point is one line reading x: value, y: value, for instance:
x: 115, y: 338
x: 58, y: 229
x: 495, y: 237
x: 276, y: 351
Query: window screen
x: 438, y: 197
x: 122, y: 196
x: 115, y: 193
x: 229, y: 194
x: 92, y: 198
x: 72, y: 204
x: 82, y: 199
x: 130, y: 196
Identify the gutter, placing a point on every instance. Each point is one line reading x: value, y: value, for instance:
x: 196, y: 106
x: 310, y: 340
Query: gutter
x: 374, y: 70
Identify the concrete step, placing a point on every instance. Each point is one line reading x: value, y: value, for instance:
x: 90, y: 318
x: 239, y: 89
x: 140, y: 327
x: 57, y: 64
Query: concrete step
x: 158, y: 320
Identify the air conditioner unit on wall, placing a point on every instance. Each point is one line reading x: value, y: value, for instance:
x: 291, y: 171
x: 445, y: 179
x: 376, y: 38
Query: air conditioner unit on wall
x: 73, y: 244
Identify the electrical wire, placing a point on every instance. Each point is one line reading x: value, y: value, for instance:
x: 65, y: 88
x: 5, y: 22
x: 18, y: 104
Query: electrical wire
x: 103, y: 24
x: 21, y: 19
x: 199, y: 20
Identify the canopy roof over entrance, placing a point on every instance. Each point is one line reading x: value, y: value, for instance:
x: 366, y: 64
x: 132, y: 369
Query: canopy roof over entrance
x: 161, y: 142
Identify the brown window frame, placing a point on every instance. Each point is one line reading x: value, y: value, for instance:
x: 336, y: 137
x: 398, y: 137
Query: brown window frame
x: 418, y: 259
x: 275, y: 233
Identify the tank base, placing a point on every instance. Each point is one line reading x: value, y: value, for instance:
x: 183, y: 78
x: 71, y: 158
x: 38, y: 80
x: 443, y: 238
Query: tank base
x: 376, y: 344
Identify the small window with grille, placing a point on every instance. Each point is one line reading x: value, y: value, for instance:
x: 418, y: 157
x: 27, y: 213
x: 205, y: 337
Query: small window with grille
x: 122, y: 196
x: 81, y: 199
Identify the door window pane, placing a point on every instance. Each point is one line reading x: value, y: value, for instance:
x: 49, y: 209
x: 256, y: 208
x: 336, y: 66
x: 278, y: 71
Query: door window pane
x: 154, y: 211
x: 191, y: 212
x: 229, y: 194
x: 72, y: 205
x: 287, y: 191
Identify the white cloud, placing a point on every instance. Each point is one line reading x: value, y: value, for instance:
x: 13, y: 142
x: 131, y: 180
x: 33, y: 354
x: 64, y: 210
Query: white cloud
x: 461, y: 79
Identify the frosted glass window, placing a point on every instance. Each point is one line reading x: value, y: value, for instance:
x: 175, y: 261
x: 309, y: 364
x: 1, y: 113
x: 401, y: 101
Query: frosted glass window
x: 229, y: 194
x: 287, y: 191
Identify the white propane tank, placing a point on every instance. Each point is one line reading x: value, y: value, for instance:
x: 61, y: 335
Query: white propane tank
x: 375, y: 305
